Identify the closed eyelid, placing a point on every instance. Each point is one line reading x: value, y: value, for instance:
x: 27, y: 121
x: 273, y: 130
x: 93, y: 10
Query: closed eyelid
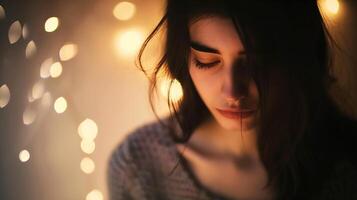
x: 213, y: 56
x: 205, y: 56
x: 204, y: 59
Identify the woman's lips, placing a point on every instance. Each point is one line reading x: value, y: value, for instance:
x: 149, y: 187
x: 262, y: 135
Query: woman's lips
x: 232, y: 114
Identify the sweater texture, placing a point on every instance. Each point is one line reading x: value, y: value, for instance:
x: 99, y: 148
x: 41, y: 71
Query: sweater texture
x: 146, y: 165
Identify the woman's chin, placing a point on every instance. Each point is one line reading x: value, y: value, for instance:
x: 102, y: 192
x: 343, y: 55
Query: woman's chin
x: 236, y: 124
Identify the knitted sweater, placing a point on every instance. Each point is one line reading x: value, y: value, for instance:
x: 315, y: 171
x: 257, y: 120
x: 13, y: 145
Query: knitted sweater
x: 141, y: 168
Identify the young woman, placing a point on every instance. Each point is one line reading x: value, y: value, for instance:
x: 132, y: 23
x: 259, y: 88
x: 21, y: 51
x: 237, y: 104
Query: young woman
x: 256, y: 120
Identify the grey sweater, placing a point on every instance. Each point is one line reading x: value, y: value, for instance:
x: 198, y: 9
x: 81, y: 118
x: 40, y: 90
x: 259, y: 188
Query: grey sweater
x: 141, y: 168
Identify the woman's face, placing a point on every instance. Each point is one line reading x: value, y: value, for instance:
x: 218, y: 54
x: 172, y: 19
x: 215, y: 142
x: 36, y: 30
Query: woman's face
x: 216, y: 66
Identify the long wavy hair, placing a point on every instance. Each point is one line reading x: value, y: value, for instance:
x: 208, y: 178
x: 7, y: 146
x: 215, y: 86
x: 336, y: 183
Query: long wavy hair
x: 289, y: 52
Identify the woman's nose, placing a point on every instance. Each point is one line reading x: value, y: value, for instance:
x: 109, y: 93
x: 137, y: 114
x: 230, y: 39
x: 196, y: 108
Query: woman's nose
x: 236, y: 81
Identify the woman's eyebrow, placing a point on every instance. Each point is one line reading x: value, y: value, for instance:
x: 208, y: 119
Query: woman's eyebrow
x: 204, y: 48
x: 201, y: 47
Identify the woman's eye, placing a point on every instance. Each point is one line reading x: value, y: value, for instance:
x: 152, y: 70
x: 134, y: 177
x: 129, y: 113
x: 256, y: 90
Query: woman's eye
x: 201, y: 65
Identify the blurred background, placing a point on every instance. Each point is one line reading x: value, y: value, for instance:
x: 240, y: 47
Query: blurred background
x: 70, y: 90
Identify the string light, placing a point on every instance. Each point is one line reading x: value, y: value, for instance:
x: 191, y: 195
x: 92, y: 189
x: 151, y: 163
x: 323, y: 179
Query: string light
x: 87, y: 165
x: 15, y: 31
x: 46, y: 99
x: 51, y: 24
x: 24, y: 155
x: 45, y: 68
x: 94, y: 195
x: 50, y: 68
x: 88, y: 129
x: 30, y: 49
x: 124, y: 10
x: 128, y: 43
x: 176, y: 92
x: 30, y: 97
x: 29, y: 115
x: 25, y: 31
x: 38, y: 89
x: 68, y: 51
x: 60, y: 105
x: 87, y: 146
x: 4, y: 95
x: 56, y: 70
x: 2, y: 12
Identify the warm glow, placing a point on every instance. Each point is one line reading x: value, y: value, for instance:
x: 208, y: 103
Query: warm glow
x: 88, y: 146
x: 24, y: 156
x: 30, y: 97
x: 51, y: 24
x: 4, y: 96
x: 129, y: 42
x: 14, y: 32
x: 94, y: 195
x: 88, y: 129
x: 87, y: 165
x: 45, y: 68
x: 30, y: 49
x: 56, y: 70
x: 38, y: 89
x: 124, y: 10
x: 29, y: 115
x: 2, y: 12
x: 176, y: 92
x: 68, y: 51
x: 60, y: 105
x: 25, y: 31
x: 331, y: 6
x: 46, y: 99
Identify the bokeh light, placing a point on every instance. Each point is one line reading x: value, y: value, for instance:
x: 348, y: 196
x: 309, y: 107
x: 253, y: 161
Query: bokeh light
x: 29, y: 115
x: 56, y: 70
x: 25, y: 31
x: 94, y: 195
x: 124, y: 10
x: 45, y: 68
x: 88, y: 129
x: 68, y: 51
x: 30, y: 97
x: 51, y: 24
x: 176, y: 92
x: 330, y: 6
x: 87, y: 146
x: 15, y: 32
x: 4, y: 95
x: 38, y: 89
x: 30, y: 49
x: 60, y: 105
x: 2, y: 12
x: 128, y: 43
x: 87, y: 165
x: 46, y: 99
x: 24, y: 155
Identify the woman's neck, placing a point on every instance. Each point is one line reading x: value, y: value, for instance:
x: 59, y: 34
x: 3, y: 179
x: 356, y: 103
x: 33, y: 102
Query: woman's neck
x: 213, y: 140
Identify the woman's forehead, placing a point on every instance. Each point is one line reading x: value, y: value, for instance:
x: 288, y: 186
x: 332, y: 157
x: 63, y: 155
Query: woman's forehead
x: 216, y: 32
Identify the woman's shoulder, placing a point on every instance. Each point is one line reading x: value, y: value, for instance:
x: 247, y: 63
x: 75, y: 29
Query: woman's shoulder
x: 148, y: 143
x: 139, y: 160
x: 150, y: 135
